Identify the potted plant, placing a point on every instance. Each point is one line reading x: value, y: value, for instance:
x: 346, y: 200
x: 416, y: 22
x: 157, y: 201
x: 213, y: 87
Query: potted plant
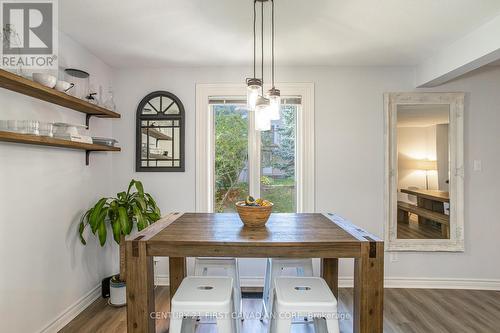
x: 120, y: 214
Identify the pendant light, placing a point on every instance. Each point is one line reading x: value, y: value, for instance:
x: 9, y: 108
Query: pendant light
x: 273, y: 94
x: 254, y: 85
x: 262, y: 111
x: 262, y: 121
x: 267, y: 106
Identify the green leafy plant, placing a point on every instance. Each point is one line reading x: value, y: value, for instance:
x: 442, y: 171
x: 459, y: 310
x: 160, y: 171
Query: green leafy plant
x: 120, y: 213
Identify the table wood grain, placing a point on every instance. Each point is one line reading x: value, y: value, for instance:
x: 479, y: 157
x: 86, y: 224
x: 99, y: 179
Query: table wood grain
x: 434, y: 195
x: 305, y: 235
x: 432, y: 201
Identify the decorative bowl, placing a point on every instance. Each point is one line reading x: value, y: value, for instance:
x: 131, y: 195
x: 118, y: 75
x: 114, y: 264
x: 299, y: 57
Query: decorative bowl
x: 45, y: 79
x: 253, y: 216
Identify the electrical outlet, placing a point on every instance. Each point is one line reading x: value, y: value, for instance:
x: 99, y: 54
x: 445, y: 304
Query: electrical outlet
x: 393, y: 257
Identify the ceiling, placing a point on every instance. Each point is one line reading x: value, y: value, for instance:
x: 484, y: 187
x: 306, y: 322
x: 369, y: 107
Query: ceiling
x: 423, y: 115
x: 154, y: 33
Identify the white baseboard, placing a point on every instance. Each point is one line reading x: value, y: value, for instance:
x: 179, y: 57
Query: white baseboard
x: 442, y: 283
x: 390, y: 282
x: 161, y: 280
x: 74, y: 310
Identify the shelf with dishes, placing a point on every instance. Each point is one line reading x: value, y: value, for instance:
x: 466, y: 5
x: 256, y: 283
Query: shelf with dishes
x: 55, y: 142
x: 47, y: 93
x: 153, y: 156
x: 155, y: 133
x: 54, y: 134
x: 72, y: 92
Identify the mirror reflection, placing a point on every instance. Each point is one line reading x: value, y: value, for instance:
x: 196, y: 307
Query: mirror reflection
x: 160, y: 133
x: 423, y: 206
x: 160, y: 143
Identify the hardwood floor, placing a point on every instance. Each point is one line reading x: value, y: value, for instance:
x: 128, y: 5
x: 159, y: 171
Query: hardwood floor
x: 414, y: 230
x: 405, y: 311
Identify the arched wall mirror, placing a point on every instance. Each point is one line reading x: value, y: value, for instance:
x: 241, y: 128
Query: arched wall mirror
x: 424, y: 171
x: 160, y: 133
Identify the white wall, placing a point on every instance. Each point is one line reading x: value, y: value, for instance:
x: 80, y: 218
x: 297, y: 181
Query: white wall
x: 349, y: 154
x: 442, y: 155
x: 45, y: 269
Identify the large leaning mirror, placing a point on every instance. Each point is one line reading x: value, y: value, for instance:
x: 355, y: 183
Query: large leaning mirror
x: 424, y: 171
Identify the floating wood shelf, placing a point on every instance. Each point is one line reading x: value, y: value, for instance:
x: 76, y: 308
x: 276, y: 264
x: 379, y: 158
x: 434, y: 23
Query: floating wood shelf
x: 54, y: 142
x: 27, y: 87
x: 159, y: 157
x: 156, y: 134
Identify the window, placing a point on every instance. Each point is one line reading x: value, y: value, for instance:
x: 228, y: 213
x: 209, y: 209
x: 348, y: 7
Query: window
x: 231, y: 156
x: 277, y: 151
x: 234, y: 160
x: 231, y: 168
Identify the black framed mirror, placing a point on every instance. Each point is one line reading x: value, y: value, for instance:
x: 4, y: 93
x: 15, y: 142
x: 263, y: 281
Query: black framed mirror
x: 160, y: 133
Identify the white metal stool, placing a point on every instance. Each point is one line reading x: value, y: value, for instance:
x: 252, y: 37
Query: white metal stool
x: 202, y: 267
x: 200, y: 296
x: 304, y: 296
x: 274, y: 268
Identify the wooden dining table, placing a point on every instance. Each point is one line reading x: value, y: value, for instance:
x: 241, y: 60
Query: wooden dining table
x: 303, y: 235
x: 432, y: 195
x: 433, y: 201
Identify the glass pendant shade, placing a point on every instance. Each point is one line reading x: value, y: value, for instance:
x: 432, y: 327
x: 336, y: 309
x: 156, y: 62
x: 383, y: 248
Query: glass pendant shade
x: 274, y: 104
x: 262, y: 110
x: 262, y: 121
x: 253, y: 88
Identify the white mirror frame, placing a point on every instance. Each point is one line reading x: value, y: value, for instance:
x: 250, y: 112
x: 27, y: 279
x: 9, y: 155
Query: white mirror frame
x: 456, y: 136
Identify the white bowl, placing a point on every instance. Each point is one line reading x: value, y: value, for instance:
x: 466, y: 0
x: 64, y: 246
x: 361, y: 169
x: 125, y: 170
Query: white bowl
x: 63, y: 86
x: 45, y: 79
x: 68, y: 129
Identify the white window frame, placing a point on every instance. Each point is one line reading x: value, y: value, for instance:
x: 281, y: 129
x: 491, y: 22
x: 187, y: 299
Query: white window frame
x: 205, y: 146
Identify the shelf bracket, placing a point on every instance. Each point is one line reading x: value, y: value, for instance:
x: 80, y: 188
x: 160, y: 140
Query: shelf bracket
x: 87, y: 157
x: 87, y: 120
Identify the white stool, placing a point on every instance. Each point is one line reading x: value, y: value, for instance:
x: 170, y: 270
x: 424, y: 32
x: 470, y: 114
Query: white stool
x: 274, y: 268
x: 299, y: 296
x: 230, y: 266
x: 199, y: 296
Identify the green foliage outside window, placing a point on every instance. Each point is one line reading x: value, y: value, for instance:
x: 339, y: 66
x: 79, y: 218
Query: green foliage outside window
x: 231, y: 142
x: 231, y: 156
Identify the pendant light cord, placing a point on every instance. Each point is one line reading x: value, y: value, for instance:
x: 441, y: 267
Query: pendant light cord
x: 262, y: 45
x: 272, y: 42
x: 254, y: 38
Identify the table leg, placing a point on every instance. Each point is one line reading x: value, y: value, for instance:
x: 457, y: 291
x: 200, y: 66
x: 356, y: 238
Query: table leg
x: 445, y: 231
x: 330, y: 272
x: 369, y: 288
x: 177, y: 272
x: 140, y: 288
x: 403, y: 216
x: 420, y: 203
